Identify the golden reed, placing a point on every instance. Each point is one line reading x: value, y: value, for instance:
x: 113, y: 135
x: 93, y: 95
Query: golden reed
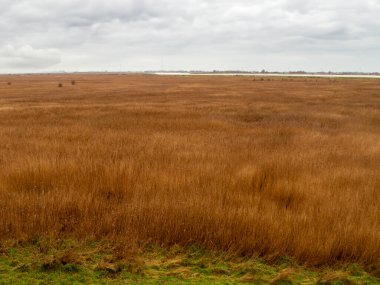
x: 285, y: 166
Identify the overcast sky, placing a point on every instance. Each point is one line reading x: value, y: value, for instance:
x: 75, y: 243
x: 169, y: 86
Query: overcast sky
x: 133, y: 35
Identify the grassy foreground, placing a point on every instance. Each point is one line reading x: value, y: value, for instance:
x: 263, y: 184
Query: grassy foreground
x: 68, y: 262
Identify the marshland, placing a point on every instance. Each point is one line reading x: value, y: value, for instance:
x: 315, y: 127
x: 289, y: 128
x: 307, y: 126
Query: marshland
x: 253, y: 167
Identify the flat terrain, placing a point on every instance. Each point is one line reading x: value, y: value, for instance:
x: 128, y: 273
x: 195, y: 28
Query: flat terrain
x: 250, y: 166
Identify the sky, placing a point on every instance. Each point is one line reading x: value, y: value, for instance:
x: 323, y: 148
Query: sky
x: 139, y: 35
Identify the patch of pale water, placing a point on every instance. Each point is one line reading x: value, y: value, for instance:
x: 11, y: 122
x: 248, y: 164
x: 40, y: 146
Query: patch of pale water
x: 270, y: 74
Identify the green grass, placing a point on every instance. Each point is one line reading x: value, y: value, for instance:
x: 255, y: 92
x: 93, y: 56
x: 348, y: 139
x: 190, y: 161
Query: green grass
x: 69, y: 262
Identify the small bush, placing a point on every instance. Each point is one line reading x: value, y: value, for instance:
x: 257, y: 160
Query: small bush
x: 73, y: 82
x: 60, y: 85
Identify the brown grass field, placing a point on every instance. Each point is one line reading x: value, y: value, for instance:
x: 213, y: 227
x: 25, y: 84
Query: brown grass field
x: 271, y: 168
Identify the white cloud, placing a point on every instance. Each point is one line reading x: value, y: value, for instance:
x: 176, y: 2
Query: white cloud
x: 27, y: 57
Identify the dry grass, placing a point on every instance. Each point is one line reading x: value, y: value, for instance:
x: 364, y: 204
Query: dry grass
x: 269, y: 168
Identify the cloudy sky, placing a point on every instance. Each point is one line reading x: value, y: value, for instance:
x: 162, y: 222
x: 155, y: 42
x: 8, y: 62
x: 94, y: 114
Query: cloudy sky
x: 133, y: 35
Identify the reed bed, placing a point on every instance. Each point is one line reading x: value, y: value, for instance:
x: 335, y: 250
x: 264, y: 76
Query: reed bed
x: 271, y: 168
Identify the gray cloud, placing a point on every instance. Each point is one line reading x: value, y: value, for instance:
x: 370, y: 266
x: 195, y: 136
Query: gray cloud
x: 189, y: 34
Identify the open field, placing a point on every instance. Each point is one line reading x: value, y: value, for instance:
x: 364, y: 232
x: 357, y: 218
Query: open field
x: 266, y: 167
